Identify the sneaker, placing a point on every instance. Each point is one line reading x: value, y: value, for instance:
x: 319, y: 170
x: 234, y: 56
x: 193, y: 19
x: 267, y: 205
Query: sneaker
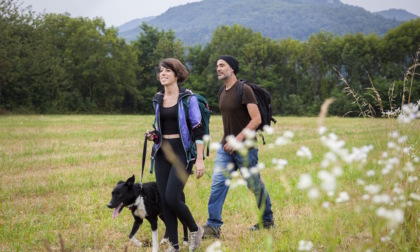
x: 265, y: 225
x: 171, y: 249
x: 195, y: 238
x: 211, y: 232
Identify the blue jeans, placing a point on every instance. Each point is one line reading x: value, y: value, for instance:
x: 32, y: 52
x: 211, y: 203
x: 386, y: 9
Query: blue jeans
x: 219, y: 189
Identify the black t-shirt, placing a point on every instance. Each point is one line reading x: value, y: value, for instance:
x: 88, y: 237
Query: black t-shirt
x: 169, y: 120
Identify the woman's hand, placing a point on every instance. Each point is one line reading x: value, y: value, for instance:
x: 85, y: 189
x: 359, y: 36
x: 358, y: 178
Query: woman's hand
x: 150, y: 135
x: 199, y: 168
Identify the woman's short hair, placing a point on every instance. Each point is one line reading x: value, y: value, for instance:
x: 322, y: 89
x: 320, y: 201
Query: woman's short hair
x: 176, y: 66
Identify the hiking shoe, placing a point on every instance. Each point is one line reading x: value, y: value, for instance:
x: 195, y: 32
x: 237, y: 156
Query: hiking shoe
x: 265, y: 224
x: 211, y: 232
x: 195, y: 238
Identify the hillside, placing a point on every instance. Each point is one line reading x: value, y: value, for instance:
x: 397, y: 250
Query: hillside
x: 277, y: 19
x: 396, y: 14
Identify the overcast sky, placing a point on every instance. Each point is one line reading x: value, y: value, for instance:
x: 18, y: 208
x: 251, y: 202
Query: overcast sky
x: 119, y: 12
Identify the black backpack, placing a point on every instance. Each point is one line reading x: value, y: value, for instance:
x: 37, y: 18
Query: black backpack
x: 264, y: 102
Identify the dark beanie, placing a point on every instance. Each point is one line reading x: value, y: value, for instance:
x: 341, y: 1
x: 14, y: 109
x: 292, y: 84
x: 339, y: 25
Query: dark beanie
x: 233, y: 63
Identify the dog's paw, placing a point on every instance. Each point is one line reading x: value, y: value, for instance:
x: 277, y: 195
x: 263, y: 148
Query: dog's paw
x: 185, y: 243
x: 164, y: 241
x: 136, y: 242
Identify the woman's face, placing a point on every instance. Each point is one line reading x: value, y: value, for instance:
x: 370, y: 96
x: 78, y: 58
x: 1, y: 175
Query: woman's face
x: 167, y: 76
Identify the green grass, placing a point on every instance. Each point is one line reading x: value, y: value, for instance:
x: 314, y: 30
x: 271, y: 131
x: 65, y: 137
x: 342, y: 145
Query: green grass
x: 57, y: 173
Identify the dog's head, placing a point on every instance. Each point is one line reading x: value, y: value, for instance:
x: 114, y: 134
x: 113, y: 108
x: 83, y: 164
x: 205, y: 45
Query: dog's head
x: 122, y: 195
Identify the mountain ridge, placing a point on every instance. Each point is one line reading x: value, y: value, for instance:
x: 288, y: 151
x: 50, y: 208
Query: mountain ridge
x: 277, y: 19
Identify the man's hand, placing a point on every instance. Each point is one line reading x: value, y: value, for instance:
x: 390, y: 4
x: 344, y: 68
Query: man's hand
x: 229, y: 148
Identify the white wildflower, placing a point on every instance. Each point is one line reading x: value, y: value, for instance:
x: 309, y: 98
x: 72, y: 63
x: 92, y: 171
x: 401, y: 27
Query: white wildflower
x: 394, y: 217
x: 391, y: 145
x: 254, y: 170
x: 305, y: 181
x: 206, y: 138
x: 326, y: 205
x: 343, y: 197
x: 415, y: 196
x: 249, y: 143
x: 249, y: 134
x: 385, y: 239
x: 280, y: 141
x: 230, y: 166
x: 288, y: 134
x: 330, y: 156
x: 235, y: 143
x: 337, y: 171
x: 235, y: 174
x: 366, y: 197
x: 245, y: 173
x: 402, y: 139
x: 381, y: 199
x: 409, y: 113
x: 268, y: 129
x: 281, y: 163
x: 322, y: 130
x: 313, y: 193
x: 325, y: 163
x: 370, y: 173
x: 215, y: 247
x: 412, y: 179
x: 261, y: 166
x: 305, y: 246
x: 328, y: 181
x: 304, y: 152
x: 397, y: 190
x: 394, y: 134
x: 360, y: 182
x: 373, y: 189
x: 239, y: 182
x: 409, y: 167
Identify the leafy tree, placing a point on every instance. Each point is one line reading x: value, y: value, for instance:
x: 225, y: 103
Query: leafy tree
x: 152, y: 46
x: 15, y: 45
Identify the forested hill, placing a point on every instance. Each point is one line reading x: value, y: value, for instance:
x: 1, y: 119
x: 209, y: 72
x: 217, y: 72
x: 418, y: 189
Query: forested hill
x: 277, y: 19
x: 397, y: 14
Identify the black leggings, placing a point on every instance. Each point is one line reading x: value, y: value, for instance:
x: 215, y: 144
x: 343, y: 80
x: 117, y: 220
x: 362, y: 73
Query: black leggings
x: 170, y: 189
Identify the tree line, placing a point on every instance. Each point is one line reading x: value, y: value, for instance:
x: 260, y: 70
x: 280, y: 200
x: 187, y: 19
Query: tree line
x: 55, y: 63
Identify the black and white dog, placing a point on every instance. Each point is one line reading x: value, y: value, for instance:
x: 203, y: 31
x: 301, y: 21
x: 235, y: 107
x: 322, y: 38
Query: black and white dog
x: 144, y: 203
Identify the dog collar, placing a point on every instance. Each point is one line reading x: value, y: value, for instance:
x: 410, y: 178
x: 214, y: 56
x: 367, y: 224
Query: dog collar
x: 136, y: 203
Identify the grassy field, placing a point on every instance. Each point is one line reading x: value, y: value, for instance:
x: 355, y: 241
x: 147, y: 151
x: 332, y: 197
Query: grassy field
x: 57, y: 173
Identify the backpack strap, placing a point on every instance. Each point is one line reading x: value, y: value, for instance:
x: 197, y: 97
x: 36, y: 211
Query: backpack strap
x: 219, y: 92
x: 239, y: 87
x: 185, y: 102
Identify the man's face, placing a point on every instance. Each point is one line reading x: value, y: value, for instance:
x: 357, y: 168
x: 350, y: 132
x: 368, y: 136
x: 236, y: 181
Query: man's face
x: 224, y: 71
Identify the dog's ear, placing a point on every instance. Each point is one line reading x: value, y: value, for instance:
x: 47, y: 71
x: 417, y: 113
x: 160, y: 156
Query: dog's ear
x: 130, y: 181
x: 120, y: 182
